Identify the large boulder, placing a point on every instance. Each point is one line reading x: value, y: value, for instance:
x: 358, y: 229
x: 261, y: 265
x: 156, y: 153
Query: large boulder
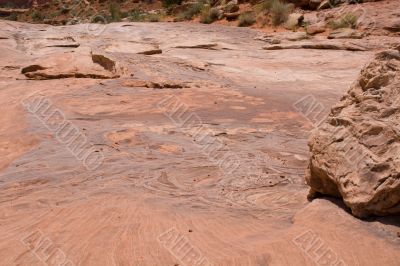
x: 355, y: 153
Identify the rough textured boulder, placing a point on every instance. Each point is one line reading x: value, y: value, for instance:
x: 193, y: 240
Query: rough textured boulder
x: 355, y: 153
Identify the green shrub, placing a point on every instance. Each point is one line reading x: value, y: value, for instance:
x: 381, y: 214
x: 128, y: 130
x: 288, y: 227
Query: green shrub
x: 64, y: 9
x: 334, y: 2
x: 37, y: 16
x: 192, y: 11
x: 8, y: 4
x: 279, y: 12
x: 209, y: 15
x: 137, y: 16
x: 246, y: 19
x: 214, y: 14
x: 346, y: 21
x: 124, y: 14
x: 140, y: 16
x: 153, y: 18
x: 169, y: 3
x: 115, y: 12
x: 263, y: 6
x: 13, y: 17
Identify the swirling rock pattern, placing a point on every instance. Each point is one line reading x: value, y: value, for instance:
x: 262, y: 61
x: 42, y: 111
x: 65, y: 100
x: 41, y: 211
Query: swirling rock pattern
x: 155, y: 175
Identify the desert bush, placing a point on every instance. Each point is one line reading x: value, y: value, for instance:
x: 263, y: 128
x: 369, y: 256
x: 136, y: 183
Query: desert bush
x: 37, y: 16
x: 263, y: 6
x: 64, y: 9
x: 153, y: 17
x: 115, y: 12
x: 8, y: 4
x: 346, y: 21
x: 53, y: 15
x: 246, y: 19
x: 137, y: 16
x: 279, y: 12
x: 169, y: 3
x: 192, y: 11
x: 13, y: 17
x: 209, y: 15
x: 214, y: 14
x: 140, y: 16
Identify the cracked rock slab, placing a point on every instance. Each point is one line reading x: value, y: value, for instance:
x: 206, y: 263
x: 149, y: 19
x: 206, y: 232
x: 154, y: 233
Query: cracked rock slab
x: 71, y: 65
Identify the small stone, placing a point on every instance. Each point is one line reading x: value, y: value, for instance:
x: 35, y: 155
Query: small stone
x: 316, y: 28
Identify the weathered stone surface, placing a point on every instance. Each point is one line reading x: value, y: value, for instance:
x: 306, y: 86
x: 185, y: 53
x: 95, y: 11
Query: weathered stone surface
x: 393, y: 25
x: 356, y: 151
x: 345, y: 33
x: 316, y: 28
x: 325, y: 45
x: 277, y: 38
x: 9, y: 11
x: 71, y: 65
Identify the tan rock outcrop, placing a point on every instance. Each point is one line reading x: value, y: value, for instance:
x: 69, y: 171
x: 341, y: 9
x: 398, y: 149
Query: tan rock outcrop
x: 356, y: 151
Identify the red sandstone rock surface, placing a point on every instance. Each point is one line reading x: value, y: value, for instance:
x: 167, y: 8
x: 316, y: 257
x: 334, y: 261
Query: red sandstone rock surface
x: 174, y: 144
